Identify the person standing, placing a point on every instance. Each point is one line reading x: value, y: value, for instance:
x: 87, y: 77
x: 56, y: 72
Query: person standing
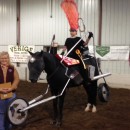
x: 8, y: 74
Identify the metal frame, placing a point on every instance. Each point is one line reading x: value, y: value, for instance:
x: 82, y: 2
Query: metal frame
x: 35, y: 101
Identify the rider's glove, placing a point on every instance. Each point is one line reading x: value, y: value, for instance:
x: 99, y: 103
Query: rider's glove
x: 82, y: 48
x: 90, y: 35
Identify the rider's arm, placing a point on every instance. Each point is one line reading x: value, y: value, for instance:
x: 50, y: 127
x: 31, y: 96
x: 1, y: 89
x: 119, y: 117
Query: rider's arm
x: 88, y: 39
x: 65, y: 47
x: 63, y: 50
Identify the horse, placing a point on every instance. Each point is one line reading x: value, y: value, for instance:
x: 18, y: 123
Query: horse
x: 56, y: 78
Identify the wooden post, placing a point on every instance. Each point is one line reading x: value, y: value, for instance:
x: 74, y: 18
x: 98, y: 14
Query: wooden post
x: 18, y: 24
x: 100, y: 23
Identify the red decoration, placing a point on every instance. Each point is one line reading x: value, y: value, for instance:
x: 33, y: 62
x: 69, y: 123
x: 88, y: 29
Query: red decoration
x: 71, y: 11
x: 67, y: 60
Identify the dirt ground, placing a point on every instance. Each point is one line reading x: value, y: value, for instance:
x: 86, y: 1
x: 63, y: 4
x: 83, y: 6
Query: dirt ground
x: 113, y: 115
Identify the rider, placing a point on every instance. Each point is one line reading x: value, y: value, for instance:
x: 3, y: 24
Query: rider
x: 82, y: 45
x: 71, y: 41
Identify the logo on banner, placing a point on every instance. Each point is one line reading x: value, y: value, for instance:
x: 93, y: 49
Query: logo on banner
x: 103, y: 50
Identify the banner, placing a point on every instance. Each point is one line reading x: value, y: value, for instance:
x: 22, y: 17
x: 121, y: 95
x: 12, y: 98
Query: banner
x: 19, y: 53
x: 111, y: 52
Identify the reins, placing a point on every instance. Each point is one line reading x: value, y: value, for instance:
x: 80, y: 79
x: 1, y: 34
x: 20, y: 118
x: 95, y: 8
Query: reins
x: 50, y: 76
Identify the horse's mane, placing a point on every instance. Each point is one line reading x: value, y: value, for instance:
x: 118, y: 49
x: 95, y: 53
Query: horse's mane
x: 51, y: 57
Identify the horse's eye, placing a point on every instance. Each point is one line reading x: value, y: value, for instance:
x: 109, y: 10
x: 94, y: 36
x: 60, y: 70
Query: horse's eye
x: 32, y: 59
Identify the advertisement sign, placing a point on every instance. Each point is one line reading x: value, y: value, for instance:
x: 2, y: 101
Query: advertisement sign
x: 19, y: 53
x: 102, y: 51
x: 113, y: 52
x: 110, y: 52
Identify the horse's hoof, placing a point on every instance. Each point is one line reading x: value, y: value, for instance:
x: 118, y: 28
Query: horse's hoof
x: 87, y: 109
x: 53, y: 122
x: 58, y: 124
x: 94, y: 109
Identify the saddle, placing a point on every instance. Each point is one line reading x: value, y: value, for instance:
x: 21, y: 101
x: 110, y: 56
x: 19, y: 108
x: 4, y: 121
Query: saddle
x: 67, y: 60
x: 70, y: 71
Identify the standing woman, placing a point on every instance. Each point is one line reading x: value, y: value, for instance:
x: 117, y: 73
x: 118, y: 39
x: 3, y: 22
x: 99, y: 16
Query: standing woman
x: 8, y: 73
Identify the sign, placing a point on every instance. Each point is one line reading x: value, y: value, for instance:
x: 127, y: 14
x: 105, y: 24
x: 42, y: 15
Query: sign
x: 119, y: 53
x: 19, y: 53
x: 5, y: 86
x: 110, y: 52
x: 102, y: 51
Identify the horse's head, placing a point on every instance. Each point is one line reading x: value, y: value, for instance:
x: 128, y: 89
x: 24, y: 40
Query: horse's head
x: 35, y: 65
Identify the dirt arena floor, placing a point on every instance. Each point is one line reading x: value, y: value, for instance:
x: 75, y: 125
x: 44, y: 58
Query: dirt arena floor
x: 113, y: 115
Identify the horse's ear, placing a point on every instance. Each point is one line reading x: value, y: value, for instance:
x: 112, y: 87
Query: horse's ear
x: 30, y: 53
x: 41, y: 53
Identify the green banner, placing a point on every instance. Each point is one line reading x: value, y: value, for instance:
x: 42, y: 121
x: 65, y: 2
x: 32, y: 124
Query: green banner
x: 102, y: 50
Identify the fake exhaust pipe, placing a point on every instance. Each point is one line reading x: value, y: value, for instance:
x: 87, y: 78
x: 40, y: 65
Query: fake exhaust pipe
x: 101, y: 76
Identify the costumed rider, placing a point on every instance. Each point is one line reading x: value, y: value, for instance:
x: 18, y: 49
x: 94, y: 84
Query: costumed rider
x: 75, y: 53
x: 71, y: 41
x: 74, y: 46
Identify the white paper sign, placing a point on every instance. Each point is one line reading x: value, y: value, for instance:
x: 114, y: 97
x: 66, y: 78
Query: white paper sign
x: 19, y: 53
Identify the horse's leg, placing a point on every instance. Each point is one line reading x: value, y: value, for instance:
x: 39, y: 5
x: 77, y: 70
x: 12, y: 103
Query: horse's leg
x: 86, y: 87
x: 55, y: 109
x: 55, y: 112
x: 93, y: 95
x: 60, y: 109
x: 91, y: 90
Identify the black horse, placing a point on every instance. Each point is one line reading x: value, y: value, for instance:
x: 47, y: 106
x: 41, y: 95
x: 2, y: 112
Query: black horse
x: 57, y: 79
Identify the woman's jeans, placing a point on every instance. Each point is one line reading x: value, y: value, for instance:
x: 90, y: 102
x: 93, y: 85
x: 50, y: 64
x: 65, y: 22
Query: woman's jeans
x: 4, y: 122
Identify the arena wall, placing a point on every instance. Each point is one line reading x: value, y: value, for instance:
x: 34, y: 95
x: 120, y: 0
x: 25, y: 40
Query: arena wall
x: 41, y: 19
